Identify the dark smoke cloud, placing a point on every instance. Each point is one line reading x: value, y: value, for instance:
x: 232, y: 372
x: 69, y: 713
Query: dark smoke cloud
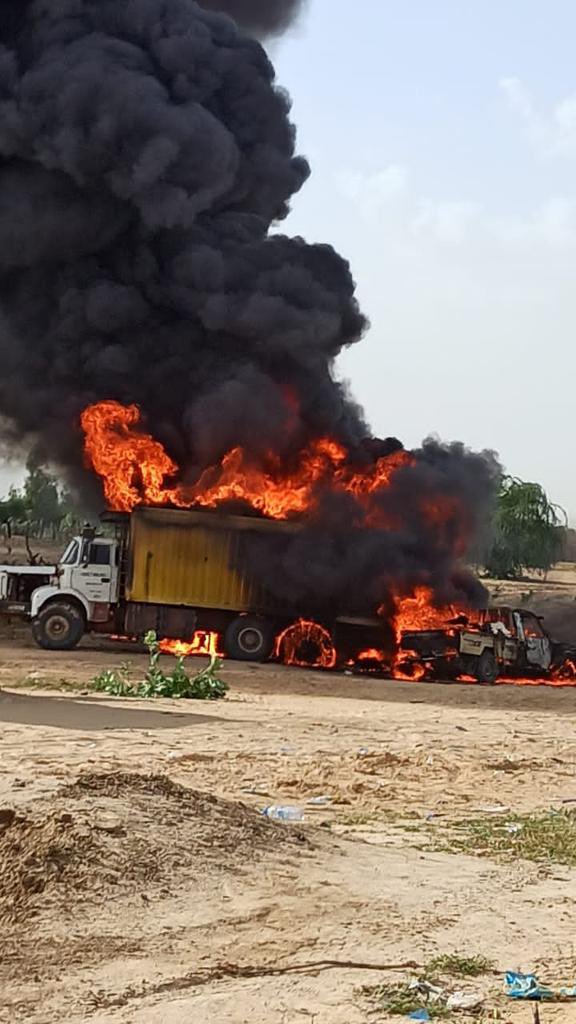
x: 146, y: 158
x: 144, y: 155
x: 259, y: 17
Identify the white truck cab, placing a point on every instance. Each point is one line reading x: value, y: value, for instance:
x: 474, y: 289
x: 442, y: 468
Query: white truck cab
x: 82, y: 593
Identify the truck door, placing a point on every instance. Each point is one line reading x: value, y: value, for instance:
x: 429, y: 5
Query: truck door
x: 96, y: 574
x: 538, y: 646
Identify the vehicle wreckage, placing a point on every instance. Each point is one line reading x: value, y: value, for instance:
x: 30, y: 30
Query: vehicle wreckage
x: 486, y: 645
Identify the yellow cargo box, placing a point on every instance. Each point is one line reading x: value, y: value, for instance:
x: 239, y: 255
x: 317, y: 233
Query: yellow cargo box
x: 196, y: 559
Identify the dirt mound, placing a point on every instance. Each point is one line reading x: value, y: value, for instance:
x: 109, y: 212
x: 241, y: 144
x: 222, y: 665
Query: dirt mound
x: 36, y: 854
x: 108, y: 834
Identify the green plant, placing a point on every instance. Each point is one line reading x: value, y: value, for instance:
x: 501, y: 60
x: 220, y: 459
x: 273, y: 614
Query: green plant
x: 205, y: 685
x: 114, y: 681
x: 402, y: 999
x: 544, y: 838
x: 458, y: 966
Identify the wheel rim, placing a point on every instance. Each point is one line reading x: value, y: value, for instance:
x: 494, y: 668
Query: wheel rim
x: 57, y: 627
x: 250, y: 640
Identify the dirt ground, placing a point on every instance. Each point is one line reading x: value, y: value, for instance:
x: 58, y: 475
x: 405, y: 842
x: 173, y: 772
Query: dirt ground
x: 139, y: 883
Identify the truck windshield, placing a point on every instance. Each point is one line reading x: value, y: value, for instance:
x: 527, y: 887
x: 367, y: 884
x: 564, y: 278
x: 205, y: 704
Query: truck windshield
x: 70, y: 556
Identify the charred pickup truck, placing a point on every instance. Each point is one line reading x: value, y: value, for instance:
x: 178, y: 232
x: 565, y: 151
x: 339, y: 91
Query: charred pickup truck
x: 495, y: 642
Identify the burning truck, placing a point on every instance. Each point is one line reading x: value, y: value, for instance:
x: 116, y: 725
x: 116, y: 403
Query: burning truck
x: 184, y: 574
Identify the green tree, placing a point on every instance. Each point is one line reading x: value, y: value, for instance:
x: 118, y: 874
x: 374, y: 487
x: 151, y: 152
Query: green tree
x: 529, y: 530
x: 41, y: 495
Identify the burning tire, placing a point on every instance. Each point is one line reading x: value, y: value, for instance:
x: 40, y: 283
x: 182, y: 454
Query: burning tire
x: 485, y: 668
x: 249, y: 638
x: 307, y: 645
x: 58, y: 627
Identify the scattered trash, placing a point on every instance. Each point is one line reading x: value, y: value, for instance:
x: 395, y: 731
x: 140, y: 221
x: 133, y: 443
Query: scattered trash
x: 432, y: 993
x: 512, y: 829
x: 419, y: 1015
x: 277, y: 813
x: 362, y: 751
x: 319, y: 801
x: 568, y: 993
x: 526, y: 986
x: 464, y: 1001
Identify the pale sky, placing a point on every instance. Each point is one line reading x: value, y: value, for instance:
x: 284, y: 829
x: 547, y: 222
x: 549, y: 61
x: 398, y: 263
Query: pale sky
x: 442, y: 138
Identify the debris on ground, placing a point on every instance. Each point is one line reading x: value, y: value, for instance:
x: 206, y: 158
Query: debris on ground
x: 283, y: 813
x: 527, y: 986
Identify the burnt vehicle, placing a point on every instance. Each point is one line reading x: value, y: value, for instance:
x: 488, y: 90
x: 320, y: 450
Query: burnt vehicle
x: 497, y: 641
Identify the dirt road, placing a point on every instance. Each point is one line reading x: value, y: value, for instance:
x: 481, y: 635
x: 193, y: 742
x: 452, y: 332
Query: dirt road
x: 152, y: 892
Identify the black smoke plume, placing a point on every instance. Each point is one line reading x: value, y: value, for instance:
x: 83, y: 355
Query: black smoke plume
x: 146, y: 157
x: 261, y: 18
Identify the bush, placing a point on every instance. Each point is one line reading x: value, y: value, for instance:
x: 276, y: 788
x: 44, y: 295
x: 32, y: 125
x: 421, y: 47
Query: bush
x: 205, y: 685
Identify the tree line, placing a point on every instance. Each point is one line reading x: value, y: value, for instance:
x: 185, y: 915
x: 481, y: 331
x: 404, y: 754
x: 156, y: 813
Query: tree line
x: 41, y: 507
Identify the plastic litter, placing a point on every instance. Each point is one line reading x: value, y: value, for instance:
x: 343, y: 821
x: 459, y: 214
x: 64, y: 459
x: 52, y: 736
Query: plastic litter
x: 319, y: 801
x: 526, y: 986
x: 431, y: 992
x: 568, y: 993
x: 276, y: 813
x: 464, y: 1001
x: 419, y: 1015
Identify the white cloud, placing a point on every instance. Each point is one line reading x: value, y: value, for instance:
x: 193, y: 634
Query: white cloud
x: 386, y: 199
x: 382, y: 190
x: 552, y: 133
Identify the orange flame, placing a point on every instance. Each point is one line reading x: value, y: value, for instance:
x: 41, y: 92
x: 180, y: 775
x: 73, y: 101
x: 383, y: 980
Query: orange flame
x: 202, y: 643
x: 371, y: 654
x: 306, y: 644
x: 418, y: 612
x: 135, y: 469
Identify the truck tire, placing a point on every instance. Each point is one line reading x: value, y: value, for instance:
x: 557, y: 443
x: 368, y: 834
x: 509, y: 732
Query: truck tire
x: 249, y: 638
x: 58, y: 627
x: 486, y: 668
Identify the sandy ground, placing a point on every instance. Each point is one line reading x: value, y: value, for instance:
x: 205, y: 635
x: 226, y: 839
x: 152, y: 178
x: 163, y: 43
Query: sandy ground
x: 126, y: 899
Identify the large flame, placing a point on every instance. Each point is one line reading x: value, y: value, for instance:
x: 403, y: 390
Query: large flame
x: 419, y: 612
x: 135, y: 469
x: 203, y: 642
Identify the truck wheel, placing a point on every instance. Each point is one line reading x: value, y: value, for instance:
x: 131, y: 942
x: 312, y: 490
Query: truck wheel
x: 58, y: 627
x: 249, y: 638
x: 486, y: 668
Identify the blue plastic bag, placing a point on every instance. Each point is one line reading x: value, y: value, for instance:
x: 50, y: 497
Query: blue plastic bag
x: 525, y: 986
x: 421, y: 1015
